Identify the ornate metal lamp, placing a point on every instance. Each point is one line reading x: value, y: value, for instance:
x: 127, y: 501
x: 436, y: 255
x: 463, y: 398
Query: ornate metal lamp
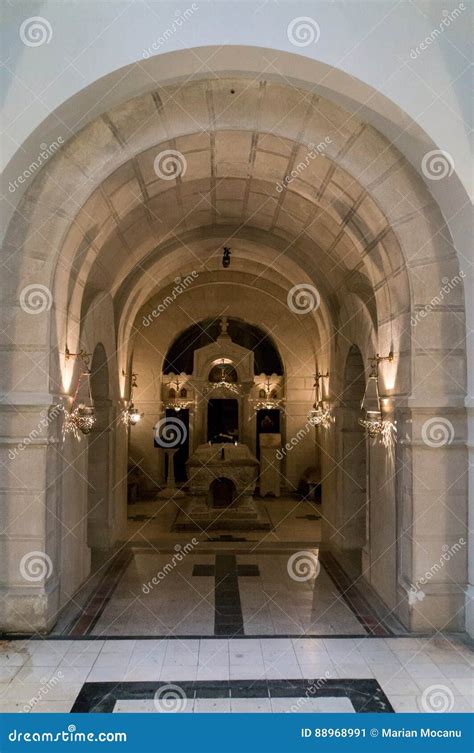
x: 80, y: 419
x: 130, y: 415
x: 177, y: 402
x: 319, y: 415
x: 268, y: 402
x: 373, y: 421
x: 224, y: 383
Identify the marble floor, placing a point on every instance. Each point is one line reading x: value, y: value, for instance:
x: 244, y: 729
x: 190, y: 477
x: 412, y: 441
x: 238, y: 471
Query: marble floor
x: 221, y: 583
x: 230, y: 622
x: 190, y: 601
x: 320, y: 675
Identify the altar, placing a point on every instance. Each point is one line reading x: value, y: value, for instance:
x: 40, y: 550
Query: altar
x: 221, y: 484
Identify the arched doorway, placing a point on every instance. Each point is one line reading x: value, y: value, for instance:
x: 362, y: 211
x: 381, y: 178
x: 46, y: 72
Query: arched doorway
x: 354, y: 459
x: 277, y: 250
x: 99, y: 458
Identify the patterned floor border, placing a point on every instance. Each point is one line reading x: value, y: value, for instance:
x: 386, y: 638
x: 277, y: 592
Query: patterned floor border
x: 366, y: 696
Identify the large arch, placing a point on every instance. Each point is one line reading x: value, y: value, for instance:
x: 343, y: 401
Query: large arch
x: 355, y: 224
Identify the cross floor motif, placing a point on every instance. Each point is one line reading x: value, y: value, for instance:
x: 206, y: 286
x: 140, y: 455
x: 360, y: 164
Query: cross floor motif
x: 228, y: 618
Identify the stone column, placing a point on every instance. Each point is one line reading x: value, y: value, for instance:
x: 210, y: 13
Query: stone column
x: 30, y: 546
x: 171, y: 489
x: 432, y: 502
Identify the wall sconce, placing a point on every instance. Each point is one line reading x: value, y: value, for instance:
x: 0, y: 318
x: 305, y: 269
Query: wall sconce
x: 269, y: 401
x: 178, y: 395
x: 225, y: 382
x: 319, y: 415
x: 226, y: 257
x: 80, y: 419
x: 130, y: 415
x: 374, y: 422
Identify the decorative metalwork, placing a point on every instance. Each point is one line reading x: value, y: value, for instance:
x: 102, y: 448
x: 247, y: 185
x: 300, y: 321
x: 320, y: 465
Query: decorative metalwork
x: 130, y: 415
x: 177, y: 398
x: 269, y: 400
x: 80, y: 418
x: 319, y: 415
x: 224, y: 382
x: 226, y: 257
x: 373, y: 422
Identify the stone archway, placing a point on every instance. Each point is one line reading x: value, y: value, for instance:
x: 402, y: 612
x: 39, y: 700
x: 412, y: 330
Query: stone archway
x: 354, y: 502
x: 102, y: 216
x: 100, y: 456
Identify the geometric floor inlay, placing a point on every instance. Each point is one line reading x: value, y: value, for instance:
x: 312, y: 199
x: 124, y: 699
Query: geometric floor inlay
x: 238, y: 594
x: 305, y: 696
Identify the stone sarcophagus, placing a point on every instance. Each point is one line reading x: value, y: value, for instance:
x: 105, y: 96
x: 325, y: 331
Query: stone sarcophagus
x: 221, y: 483
x: 213, y: 463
